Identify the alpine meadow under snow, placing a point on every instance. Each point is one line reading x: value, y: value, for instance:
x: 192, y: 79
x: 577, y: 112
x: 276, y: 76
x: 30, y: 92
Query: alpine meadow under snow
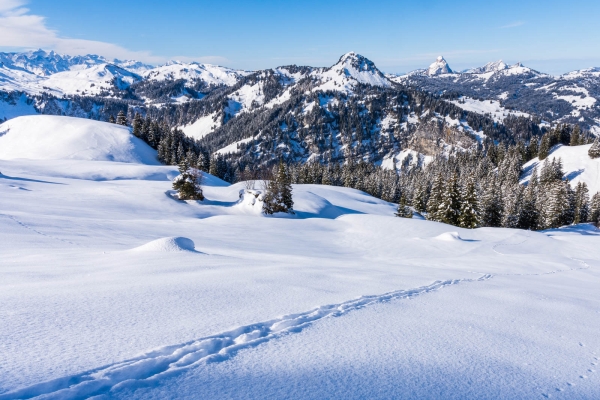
x: 191, y: 231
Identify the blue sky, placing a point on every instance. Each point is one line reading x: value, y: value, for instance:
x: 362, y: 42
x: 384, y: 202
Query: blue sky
x: 398, y: 36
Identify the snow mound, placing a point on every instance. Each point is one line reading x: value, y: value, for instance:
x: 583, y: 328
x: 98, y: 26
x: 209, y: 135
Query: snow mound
x: 168, y: 245
x: 449, y: 237
x: 46, y: 137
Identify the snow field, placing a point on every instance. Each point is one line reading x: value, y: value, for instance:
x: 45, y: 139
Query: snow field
x: 101, y: 293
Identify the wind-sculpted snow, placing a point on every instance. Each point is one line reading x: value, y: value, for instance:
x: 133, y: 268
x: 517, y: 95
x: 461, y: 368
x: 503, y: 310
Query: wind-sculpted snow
x: 150, y: 368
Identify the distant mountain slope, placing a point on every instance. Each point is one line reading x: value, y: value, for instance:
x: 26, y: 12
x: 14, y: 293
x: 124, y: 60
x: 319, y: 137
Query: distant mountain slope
x: 571, y: 98
x: 55, y: 138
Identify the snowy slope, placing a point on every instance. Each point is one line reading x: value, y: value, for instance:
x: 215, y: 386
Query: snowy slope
x: 91, y: 81
x: 46, y: 137
x: 577, y: 165
x: 351, y: 69
x: 210, y: 74
x: 110, y: 286
x: 438, y: 67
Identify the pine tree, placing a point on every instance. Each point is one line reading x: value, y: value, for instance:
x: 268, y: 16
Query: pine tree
x: 594, y: 151
x: 138, y: 125
x: 187, y: 183
x: 278, y: 196
x: 575, y: 136
x: 544, y: 147
x: 559, y: 210
x: 594, y: 215
x: 404, y: 210
x: 121, y: 118
x: 420, y: 197
x: 111, y: 119
x: 491, y: 204
x: 469, y: 210
x: 528, y: 218
x: 449, y: 209
x: 582, y: 203
x: 435, y: 199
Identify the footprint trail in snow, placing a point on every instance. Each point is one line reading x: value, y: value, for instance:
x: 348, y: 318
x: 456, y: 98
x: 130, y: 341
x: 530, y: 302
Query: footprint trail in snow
x: 148, y: 369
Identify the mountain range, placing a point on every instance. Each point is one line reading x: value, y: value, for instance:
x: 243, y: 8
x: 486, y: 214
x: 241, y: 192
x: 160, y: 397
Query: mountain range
x: 348, y: 110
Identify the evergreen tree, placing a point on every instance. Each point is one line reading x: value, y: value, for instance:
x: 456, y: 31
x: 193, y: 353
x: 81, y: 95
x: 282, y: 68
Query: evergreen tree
x: 559, y: 210
x: 449, y: 209
x: 528, y: 218
x: 121, y: 118
x: 111, y: 119
x: 469, y: 210
x: 436, y: 199
x: 575, y: 136
x: 187, y: 183
x: 278, y: 196
x: 138, y: 125
x: 582, y: 201
x: 404, y: 210
x: 544, y: 147
x: 594, y: 215
x: 420, y: 197
x: 594, y: 151
x: 491, y: 204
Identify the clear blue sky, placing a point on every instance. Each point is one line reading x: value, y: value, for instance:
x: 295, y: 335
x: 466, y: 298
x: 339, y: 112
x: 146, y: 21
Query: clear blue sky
x: 552, y: 36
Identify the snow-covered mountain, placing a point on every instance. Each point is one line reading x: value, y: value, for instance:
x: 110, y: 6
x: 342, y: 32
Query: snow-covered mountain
x: 439, y: 67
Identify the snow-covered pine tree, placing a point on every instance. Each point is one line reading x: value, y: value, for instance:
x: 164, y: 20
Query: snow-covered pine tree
x: 187, y: 183
x: 420, y: 197
x: 544, y: 149
x: 404, y: 210
x: 469, y: 209
x: 594, y: 151
x: 436, y: 199
x: 138, y: 125
x: 449, y: 209
x: 582, y: 203
x: 121, y: 118
x: 111, y: 119
x: 559, y: 209
x: 491, y: 204
x: 278, y: 196
x: 595, y: 209
x: 575, y: 136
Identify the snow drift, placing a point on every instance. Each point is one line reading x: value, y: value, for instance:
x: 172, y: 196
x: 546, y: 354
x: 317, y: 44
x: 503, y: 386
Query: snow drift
x: 168, y: 245
x: 44, y: 137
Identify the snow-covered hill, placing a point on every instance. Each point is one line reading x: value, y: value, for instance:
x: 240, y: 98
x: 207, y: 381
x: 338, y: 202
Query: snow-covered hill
x: 66, y: 138
x: 577, y: 166
x: 109, y: 286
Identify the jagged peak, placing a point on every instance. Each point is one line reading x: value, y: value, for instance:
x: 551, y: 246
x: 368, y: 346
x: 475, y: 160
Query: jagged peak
x: 439, y: 66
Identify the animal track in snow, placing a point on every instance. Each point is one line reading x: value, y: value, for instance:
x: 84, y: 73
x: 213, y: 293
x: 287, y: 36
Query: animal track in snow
x: 149, y: 368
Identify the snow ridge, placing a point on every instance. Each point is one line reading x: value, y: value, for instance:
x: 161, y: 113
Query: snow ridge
x: 147, y: 369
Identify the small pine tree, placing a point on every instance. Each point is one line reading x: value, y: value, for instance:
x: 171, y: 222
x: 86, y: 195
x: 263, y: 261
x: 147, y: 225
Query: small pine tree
x: 491, y: 205
x: 544, y: 149
x: 582, y: 203
x: 278, y: 196
x: 121, y: 118
x: 111, y: 119
x: 449, y: 209
x: 404, y: 210
x: 575, y: 136
x: 594, y: 151
x: 187, y: 183
x: 435, y: 199
x: 469, y: 210
x: 594, y: 215
x: 138, y: 125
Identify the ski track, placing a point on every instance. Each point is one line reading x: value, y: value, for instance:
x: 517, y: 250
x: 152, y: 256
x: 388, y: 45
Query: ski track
x: 149, y: 368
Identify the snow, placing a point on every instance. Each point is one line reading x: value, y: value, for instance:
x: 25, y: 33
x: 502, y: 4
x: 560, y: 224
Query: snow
x: 396, y: 160
x: 577, y: 166
x: 210, y: 74
x: 112, y: 288
x: 351, y: 69
x: 202, y: 126
x: 492, y: 107
x: 91, y: 81
x: 233, y: 147
x: 44, y: 137
x: 20, y: 108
